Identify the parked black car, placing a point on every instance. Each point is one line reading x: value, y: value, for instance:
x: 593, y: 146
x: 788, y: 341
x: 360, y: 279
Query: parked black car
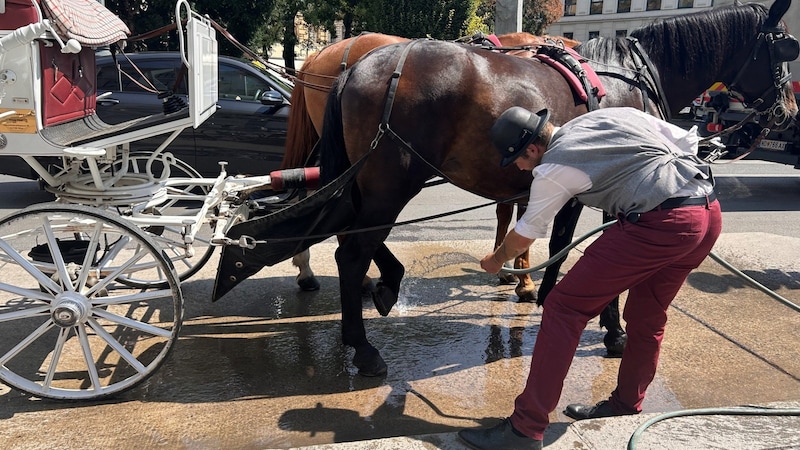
x: 248, y: 130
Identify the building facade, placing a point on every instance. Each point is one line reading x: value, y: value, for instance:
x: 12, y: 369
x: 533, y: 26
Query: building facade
x: 587, y: 19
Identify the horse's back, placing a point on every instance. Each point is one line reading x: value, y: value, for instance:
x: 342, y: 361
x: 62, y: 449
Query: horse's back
x: 446, y: 99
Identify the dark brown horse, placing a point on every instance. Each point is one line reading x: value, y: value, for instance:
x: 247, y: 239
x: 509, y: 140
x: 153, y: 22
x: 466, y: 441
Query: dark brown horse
x: 390, y: 126
x: 310, y: 94
x: 394, y: 113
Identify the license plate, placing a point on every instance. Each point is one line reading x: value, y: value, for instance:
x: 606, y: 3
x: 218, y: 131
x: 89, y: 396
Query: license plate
x: 770, y: 144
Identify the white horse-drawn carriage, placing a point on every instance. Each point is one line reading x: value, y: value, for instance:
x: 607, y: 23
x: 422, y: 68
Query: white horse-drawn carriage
x: 90, y: 298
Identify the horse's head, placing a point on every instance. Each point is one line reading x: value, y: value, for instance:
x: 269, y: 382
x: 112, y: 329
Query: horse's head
x: 763, y: 81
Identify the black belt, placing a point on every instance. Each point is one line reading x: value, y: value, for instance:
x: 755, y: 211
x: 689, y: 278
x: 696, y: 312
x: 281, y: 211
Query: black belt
x: 676, y: 202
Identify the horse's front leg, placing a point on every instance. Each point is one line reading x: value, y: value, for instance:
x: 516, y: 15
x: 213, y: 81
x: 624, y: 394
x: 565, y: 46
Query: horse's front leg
x: 388, y: 288
x: 353, y: 259
x: 563, y: 229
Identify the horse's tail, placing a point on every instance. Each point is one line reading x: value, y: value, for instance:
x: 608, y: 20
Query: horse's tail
x: 301, y: 134
x: 333, y: 154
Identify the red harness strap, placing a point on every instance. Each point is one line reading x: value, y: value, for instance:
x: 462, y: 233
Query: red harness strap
x: 581, y: 77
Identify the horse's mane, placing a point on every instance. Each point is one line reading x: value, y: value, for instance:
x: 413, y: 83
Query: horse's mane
x: 686, y: 43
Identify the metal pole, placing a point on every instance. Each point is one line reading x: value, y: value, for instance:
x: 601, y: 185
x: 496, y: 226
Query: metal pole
x: 508, y: 16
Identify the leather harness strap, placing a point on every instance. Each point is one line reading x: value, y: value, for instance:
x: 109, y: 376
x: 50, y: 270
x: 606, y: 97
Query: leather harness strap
x: 643, y: 61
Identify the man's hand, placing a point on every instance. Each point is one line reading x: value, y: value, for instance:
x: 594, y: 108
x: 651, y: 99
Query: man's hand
x: 490, y: 263
x: 512, y: 246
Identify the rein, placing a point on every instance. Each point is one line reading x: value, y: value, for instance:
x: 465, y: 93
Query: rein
x: 342, y: 68
x: 642, y: 61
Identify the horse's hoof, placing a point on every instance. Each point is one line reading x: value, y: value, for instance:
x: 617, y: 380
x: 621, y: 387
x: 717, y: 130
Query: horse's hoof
x: 370, y: 363
x: 615, y: 345
x: 384, y: 299
x: 527, y: 296
x: 368, y: 290
x: 308, y: 284
x: 505, y: 277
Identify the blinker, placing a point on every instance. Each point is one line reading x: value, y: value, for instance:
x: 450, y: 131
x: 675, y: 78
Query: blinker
x: 785, y: 49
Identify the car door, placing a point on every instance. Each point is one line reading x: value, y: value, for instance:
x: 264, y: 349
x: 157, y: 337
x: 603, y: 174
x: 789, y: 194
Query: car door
x: 132, y: 92
x: 248, y: 130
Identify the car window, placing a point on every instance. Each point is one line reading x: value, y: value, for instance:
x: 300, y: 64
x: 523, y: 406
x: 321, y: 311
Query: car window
x: 158, y: 75
x: 275, y: 77
x: 236, y: 84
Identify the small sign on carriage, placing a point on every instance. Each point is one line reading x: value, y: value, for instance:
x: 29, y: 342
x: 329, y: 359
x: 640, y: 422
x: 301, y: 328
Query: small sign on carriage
x: 21, y: 121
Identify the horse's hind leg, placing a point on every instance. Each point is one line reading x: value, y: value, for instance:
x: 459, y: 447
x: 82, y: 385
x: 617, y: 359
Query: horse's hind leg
x: 504, y: 211
x: 305, y: 279
x: 526, y: 289
x: 615, y: 337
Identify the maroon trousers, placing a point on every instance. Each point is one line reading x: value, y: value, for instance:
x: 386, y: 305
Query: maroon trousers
x: 651, y: 259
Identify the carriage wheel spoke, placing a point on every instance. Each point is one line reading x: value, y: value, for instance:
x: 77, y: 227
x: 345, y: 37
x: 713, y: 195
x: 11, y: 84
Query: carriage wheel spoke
x: 117, y: 272
x: 25, y: 313
x: 94, y: 242
x: 135, y: 324
x: 131, y: 298
x: 23, y: 344
x: 91, y: 368
x: 63, y: 334
x: 40, y: 277
x: 58, y: 258
x: 109, y: 339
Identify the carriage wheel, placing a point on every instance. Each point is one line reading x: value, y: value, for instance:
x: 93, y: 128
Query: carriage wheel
x: 170, y: 238
x: 70, y: 327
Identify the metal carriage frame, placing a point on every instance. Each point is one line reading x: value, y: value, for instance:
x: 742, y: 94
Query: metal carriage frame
x: 90, y: 298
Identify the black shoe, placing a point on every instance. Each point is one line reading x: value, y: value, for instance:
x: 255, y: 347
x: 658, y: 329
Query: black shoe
x: 579, y: 411
x: 501, y: 436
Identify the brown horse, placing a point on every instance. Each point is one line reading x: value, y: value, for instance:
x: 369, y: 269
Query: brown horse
x: 388, y: 122
x: 310, y: 94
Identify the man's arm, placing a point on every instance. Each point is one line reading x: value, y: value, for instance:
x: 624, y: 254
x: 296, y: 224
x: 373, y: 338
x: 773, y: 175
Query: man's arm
x: 513, y: 245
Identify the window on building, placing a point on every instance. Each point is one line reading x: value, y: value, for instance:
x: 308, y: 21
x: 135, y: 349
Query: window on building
x: 594, y: 34
x: 685, y: 3
x: 569, y: 35
x: 624, y: 6
x: 621, y: 33
x: 596, y: 7
x: 653, y: 5
x: 569, y: 7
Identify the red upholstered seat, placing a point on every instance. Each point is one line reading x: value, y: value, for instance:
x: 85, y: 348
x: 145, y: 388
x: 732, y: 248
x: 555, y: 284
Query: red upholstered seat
x: 18, y: 14
x: 68, y: 85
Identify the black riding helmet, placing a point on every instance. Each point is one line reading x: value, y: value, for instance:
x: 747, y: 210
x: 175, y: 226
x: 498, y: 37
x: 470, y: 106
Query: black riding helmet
x: 514, y: 130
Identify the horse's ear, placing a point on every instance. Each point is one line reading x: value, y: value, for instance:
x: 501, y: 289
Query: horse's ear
x: 777, y: 11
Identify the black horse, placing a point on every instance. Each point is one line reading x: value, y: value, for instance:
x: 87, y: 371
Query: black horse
x: 411, y: 111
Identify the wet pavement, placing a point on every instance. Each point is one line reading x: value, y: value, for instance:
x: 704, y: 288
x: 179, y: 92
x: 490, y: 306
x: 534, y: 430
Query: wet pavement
x: 263, y: 367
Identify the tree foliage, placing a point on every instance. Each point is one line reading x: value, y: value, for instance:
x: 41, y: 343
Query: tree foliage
x: 537, y: 15
x: 262, y: 23
x: 441, y: 19
x: 240, y: 17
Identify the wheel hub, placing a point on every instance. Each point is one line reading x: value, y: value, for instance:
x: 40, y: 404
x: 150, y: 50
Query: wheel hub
x: 69, y: 309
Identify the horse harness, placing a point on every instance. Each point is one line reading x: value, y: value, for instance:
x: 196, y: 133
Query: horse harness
x: 783, y: 47
x: 580, y: 76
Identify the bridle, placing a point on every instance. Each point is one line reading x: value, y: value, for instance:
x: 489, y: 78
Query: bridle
x: 783, y: 47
